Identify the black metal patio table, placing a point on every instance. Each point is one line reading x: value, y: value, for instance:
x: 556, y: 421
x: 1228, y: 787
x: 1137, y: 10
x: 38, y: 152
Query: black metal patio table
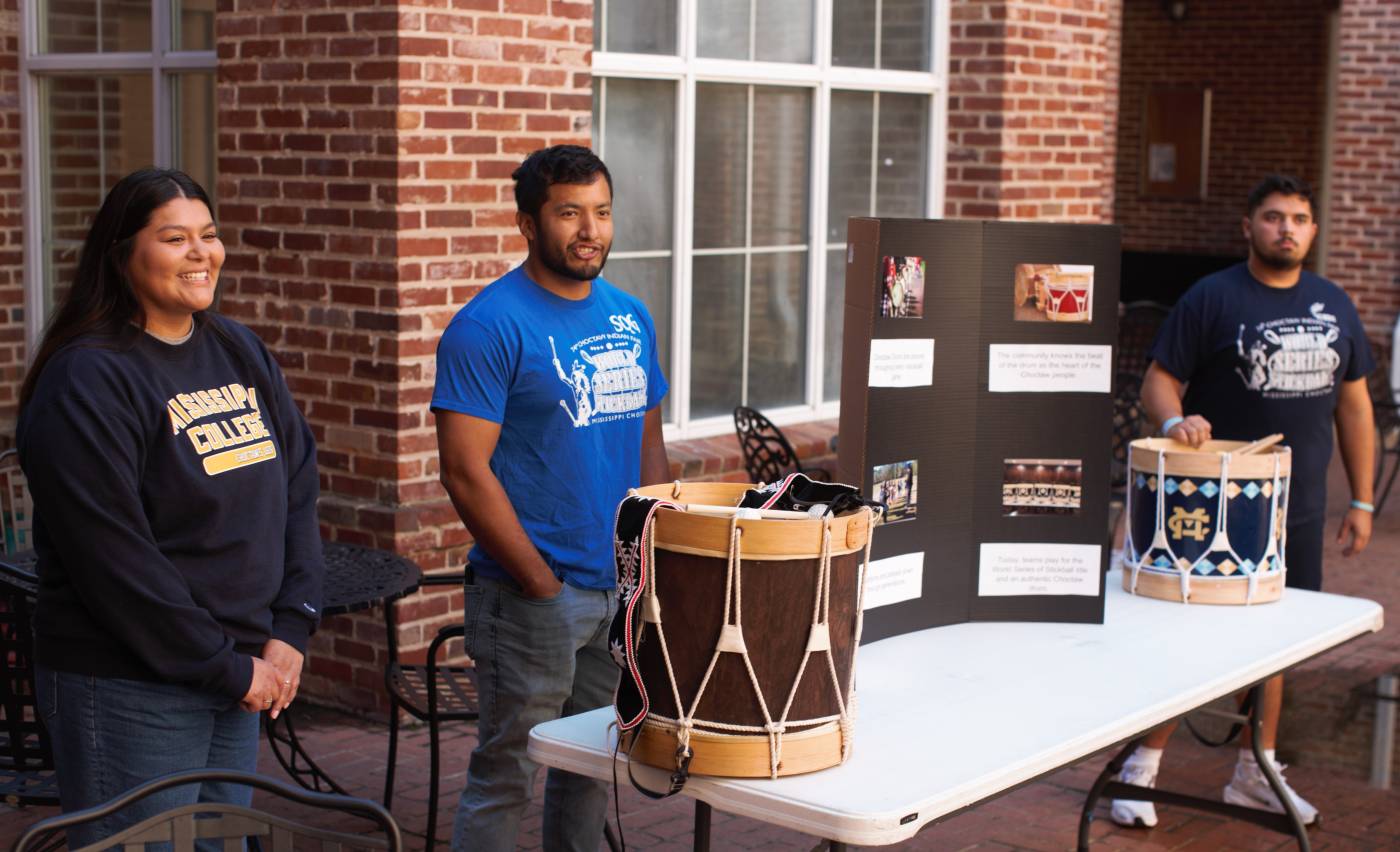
x: 357, y: 578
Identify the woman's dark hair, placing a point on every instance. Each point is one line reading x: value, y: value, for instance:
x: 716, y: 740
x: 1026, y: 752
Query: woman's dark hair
x: 548, y: 166
x: 100, y: 300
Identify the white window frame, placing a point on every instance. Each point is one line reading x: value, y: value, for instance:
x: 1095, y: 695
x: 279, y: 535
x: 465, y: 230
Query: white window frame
x: 159, y: 62
x: 687, y: 69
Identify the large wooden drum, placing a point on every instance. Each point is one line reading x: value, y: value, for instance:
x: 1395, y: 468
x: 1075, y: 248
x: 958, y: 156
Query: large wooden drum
x: 1206, y: 525
x: 748, y: 636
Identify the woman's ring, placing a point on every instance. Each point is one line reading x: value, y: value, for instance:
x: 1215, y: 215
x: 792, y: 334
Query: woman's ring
x: 287, y: 682
x: 267, y: 703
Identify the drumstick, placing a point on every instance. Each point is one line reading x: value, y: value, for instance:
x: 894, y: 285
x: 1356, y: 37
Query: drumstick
x: 1262, y: 443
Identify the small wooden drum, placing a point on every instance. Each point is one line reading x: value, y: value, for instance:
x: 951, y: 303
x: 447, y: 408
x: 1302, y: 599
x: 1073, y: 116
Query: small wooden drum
x: 1206, y: 525
x: 748, y: 638
x: 1067, y: 296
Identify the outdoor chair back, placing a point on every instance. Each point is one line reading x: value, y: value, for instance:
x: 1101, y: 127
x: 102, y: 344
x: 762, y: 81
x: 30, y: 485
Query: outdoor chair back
x: 768, y: 456
x: 182, y: 826
x: 27, y: 774
x: 16, y: 507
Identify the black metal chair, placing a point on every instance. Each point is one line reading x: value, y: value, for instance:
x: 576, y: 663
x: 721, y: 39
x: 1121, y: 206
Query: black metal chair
x: 183, y: 825
x: 1387, y: 413
x: 429, y: 692
x: 27, y: 775
x: 1137, y: 328
x: 1128, y: 419
x: 768, y: 456
x: 16, y: 506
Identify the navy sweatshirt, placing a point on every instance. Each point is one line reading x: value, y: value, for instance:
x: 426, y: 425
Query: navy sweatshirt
x: 175, y: 497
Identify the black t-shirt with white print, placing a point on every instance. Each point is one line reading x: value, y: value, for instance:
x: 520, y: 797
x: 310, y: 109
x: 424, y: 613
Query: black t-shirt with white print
x: 1259, y: 360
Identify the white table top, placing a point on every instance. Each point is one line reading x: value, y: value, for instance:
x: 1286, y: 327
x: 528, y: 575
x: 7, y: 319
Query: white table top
x: 951, y: 716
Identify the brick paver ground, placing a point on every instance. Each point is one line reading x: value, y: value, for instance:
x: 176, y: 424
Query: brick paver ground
x: 1327, y: 699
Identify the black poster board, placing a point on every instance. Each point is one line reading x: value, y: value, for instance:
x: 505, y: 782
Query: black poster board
x: 957, y: 283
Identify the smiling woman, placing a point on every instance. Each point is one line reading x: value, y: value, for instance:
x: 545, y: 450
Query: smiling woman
x: 175, y: 486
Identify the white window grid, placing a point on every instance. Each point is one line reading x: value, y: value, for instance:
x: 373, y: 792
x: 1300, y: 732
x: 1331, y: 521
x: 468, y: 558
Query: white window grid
x: 161, y: 63
x: 687, y: 69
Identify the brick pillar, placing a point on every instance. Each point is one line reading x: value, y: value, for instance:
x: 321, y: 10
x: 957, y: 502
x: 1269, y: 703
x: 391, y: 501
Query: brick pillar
x: 365, y: 195
x: 12, y: 352
x: 1363, y: 231
x: 1026, y: 109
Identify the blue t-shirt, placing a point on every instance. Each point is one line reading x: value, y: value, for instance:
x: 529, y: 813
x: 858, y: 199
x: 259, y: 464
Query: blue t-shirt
x: 1259, y: 360
x: 569, y: 382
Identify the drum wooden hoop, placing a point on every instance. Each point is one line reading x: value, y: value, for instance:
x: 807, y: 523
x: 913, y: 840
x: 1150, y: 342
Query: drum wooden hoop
x: 1233, y: 591
x: 708, y: 535
x: 737, y: 756
x: 1183, y: 460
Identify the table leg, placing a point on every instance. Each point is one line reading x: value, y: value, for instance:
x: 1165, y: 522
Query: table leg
x: 702, y: 826
x: 1286, y: 823
x: 287, y: 748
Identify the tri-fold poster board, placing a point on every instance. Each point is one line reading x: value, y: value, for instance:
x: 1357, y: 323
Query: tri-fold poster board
x: 976, y: 404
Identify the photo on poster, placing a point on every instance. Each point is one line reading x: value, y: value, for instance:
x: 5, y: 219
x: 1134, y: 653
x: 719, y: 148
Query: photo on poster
x: 902, y: 287
x: 1041, y: 487
x: 1054, y: 292
x: 897, y: 486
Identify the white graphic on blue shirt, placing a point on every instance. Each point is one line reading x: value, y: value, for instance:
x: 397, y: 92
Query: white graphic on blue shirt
x: 1290, y: 358
x: 604, y: 379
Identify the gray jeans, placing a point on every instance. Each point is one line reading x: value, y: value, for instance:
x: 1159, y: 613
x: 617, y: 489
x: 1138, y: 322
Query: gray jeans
x: 536, y: 660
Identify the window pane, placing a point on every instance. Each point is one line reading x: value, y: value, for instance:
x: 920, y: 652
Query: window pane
x: 716, y: 335
x: 635, y: 26
x: 724, y: 29
x: 903, y: 169
x: 639, y: 132
x: 848, y: 176
x: 649, y: 279
x: 777, y: 337
x: 853, y: 33
x: 192, y: 25
x: 835, y: 319
x: 904, y: 32
x: 784, y: 30
x: 95, y: 130
x: 721, y: 144
x: 782, y: 121
x: 193, y: 122
x: 93, y: 26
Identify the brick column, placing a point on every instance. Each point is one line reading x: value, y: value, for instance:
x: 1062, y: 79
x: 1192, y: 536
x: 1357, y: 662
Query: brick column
x: 12, y: 351
x: 1363, y: 231
x: 364, y: 186
x: 1026, y: 109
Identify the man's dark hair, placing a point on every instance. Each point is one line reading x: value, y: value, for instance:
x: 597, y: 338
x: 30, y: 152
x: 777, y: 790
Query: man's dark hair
x: 548, y: 166
x: 1283, y: 185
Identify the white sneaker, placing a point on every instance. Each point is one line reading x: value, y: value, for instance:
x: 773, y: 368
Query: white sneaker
x: 1250, y: 788
x: 1131, y: 813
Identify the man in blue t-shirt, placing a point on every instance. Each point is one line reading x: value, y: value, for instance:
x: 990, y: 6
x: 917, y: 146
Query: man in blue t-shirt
x: 547, y: 400
x: 1263, y: 347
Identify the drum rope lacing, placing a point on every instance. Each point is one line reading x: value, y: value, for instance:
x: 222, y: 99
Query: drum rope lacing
x: 732, y: 641
x: 1220, y: 542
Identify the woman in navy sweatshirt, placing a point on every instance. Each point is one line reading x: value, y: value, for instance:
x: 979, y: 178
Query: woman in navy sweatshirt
x: 175, y: 486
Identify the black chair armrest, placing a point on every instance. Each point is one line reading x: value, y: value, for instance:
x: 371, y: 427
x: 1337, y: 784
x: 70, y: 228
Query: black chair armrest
x: 442, y: 579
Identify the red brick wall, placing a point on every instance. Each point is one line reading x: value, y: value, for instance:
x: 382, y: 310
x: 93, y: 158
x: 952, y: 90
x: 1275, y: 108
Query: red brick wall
x: 12, y: 351
x: 1265, y: 63
x: 1026, y: 109
x: 1363, y: 230
x: 365, y: 155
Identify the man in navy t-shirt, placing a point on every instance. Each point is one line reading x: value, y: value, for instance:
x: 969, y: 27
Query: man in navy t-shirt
x: 1263, y: 347
x: 547, y: 400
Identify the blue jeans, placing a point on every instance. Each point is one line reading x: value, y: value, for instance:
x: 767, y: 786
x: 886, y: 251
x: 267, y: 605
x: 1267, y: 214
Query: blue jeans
x: 536, y: 660
x: 110, y: 735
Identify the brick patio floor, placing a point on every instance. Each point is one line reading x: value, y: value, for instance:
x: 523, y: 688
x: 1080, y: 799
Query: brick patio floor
x: 1040, y: 816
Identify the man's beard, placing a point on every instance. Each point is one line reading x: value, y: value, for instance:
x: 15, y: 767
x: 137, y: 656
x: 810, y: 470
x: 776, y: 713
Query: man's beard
x: 1273, y: 259
x: 556, y: 260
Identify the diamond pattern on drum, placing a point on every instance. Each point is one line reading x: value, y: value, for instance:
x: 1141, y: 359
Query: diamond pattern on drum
x: 1251, y: 490
x: 1170, y: 486
x: 1152, y: 483
x: 1227, y: 567
x: 1141, y: 481
x: 1187, y: 487
x: 1248, y: 566
x: 1268, y: 489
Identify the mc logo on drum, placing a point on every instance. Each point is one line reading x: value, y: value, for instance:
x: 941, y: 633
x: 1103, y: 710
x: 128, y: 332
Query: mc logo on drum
x: 1194, y: 524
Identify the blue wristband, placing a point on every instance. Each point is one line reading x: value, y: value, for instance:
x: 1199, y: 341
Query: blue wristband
x: 1363, y: 506
x: 1170, y: 424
